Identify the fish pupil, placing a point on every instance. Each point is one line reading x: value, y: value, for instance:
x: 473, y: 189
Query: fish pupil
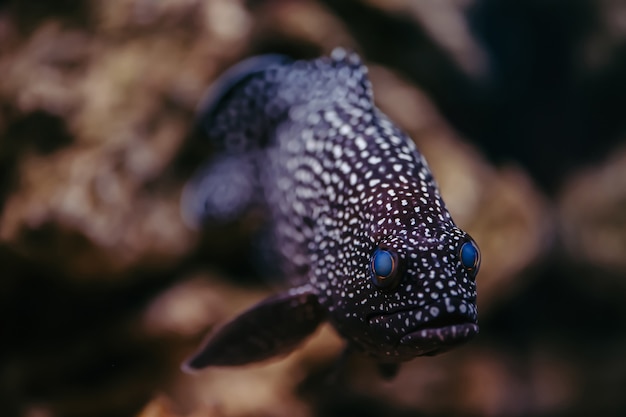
x: 469, y: 255
x: 382, y: 263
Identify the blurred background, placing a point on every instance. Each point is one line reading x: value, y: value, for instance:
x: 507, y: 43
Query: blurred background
x: 518, y: 107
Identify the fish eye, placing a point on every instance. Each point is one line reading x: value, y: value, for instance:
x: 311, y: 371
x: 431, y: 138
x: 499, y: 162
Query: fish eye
x: 470, y: 257
x: 384, y: 265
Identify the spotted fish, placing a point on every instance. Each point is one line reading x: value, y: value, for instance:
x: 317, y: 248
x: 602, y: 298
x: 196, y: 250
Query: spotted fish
x: 356, y: 219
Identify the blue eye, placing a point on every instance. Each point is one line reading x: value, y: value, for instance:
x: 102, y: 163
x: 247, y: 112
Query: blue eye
x: 470, y: 256
x: 382, y: 263
x: 384, y: 266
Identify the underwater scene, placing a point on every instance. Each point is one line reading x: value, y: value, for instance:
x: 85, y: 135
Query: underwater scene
x: 238, y: 208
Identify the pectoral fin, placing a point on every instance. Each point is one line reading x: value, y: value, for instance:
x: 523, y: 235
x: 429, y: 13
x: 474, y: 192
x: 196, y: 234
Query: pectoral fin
x: 220, y: 192
x: 273, y: 327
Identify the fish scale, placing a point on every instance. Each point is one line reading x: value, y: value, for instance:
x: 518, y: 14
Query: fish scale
x: 358, y: 223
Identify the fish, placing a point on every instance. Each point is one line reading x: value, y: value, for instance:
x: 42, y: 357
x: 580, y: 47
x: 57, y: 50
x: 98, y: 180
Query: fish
x: 356, y: 221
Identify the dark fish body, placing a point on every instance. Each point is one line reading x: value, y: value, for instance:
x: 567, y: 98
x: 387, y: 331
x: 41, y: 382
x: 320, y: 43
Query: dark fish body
x: 358, y: 225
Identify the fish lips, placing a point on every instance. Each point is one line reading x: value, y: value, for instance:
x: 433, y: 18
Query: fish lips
x: 422, y: 334
x: 431, y: 341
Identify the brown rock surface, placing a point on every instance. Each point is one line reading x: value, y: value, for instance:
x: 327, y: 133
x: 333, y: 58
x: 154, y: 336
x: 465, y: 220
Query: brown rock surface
x: 592, y: 217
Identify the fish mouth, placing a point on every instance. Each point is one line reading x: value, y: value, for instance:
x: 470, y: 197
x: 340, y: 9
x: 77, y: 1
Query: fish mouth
x: 435, y: 335
x: 434, y: 340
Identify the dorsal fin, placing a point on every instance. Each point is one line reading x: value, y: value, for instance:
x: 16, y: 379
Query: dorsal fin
x: 232, y: 78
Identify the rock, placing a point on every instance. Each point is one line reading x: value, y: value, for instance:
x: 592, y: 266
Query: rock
x: 104, y: 201
x: 592, y: 215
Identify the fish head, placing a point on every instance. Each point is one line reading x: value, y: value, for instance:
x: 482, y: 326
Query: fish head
x: 408, y: 286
